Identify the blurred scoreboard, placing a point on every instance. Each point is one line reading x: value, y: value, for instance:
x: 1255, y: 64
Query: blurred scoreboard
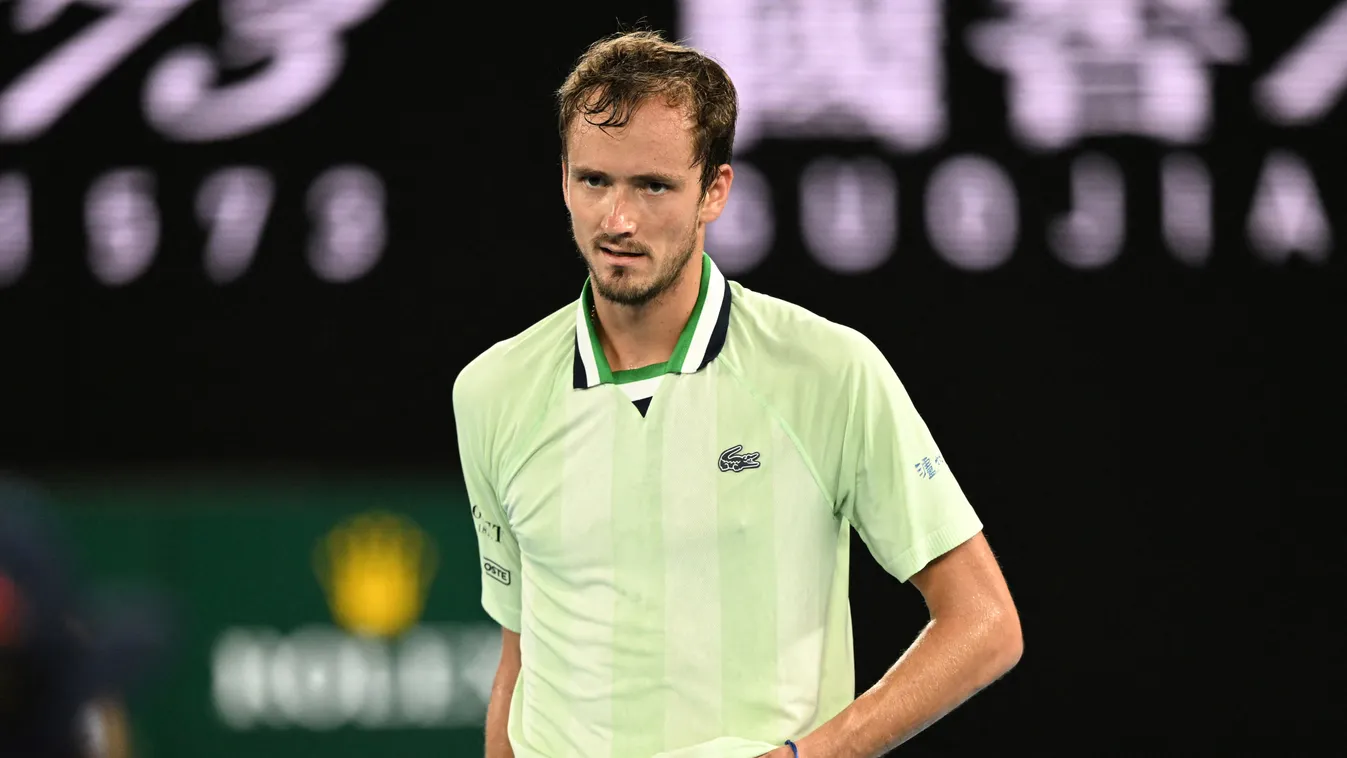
x: 262, y: 230
x: 227, y: 131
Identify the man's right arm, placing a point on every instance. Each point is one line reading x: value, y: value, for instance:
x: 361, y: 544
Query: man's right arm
x: 478, y: 422
x: 502, y: 689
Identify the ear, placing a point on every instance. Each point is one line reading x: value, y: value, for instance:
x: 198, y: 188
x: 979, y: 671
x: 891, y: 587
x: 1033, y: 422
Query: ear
x: 713, y: 203
x: 565, y: 185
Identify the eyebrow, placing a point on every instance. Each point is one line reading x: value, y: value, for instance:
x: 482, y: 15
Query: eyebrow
x: 652, y: 177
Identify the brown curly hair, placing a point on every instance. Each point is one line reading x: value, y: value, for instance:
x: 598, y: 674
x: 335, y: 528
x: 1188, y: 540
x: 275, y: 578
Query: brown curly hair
x: 618, y: 73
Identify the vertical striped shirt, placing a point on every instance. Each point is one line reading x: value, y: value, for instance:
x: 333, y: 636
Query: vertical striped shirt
x: 671, y: 543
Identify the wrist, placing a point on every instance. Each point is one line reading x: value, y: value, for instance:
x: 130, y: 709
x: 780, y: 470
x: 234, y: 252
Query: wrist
x: 806, y: 748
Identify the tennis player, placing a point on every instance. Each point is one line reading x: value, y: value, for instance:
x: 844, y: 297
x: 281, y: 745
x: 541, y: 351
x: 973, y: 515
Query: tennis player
x: 664, y: 472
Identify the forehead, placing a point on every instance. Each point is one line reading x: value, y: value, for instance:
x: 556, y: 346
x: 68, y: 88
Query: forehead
x: 657, y: 136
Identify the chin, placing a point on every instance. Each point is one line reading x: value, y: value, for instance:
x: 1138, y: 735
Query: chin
x: 624, y: 291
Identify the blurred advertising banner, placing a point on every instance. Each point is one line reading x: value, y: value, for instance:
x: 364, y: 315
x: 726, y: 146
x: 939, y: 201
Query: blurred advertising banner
x: 315, y: 620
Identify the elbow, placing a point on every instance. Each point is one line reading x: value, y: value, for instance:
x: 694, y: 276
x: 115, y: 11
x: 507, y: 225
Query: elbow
x: 992, y: 641
x: 1005, y: 640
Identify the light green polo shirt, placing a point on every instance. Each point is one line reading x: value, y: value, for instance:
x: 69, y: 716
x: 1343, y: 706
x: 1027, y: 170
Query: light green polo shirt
x: 671, y: 543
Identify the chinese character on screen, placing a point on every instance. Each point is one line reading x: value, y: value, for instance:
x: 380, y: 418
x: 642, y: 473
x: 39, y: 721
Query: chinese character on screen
x: 829, y: 68
x: 1105, y: 67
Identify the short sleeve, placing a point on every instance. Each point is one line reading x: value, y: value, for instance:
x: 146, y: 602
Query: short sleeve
x: 498, y: 552
x: 894, y: 486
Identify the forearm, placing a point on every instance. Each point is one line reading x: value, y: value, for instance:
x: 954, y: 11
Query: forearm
x: 498, y: 715
x: 947, y: 664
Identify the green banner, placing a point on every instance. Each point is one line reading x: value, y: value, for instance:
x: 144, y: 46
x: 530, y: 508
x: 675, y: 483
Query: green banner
x: 325, y: 620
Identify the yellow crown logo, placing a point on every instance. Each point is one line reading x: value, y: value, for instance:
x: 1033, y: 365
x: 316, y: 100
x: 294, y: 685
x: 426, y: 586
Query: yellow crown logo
x: 375, y: 569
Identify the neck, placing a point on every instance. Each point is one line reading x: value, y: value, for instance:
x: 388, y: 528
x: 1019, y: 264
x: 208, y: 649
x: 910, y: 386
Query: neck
x: 633, y: 336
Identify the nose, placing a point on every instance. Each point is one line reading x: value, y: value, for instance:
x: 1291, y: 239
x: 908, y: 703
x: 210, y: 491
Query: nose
x: 620, y: 218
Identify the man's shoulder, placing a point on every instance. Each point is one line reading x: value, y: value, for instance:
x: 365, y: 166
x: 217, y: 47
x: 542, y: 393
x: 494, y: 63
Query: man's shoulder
x: 519, y: 359
x: 775, y: 330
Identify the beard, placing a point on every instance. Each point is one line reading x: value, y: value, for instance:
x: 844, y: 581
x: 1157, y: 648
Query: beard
x: 626, y: 287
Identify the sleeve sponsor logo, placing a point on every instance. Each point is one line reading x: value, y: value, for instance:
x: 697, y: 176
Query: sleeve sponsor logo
x: 496, y: 571
x: 928, y: 468
x: 485, y: 527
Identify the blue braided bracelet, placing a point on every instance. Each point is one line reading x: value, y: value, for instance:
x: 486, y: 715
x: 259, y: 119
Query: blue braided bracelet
x: 794, y: 750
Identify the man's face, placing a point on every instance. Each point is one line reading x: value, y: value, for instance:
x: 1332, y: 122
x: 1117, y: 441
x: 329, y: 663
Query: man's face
x: 635, y: 201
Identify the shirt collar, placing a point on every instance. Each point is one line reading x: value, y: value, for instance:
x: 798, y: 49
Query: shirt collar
x: 702, y: 339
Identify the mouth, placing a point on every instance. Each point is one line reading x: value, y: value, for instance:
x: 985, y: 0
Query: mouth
x: 619, y: 256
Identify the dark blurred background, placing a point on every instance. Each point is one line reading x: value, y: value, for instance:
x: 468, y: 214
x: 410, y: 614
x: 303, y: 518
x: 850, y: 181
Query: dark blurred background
x: 246, y: 246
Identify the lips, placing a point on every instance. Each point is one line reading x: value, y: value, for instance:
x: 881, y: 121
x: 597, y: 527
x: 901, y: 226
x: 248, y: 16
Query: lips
x: 622, y: 253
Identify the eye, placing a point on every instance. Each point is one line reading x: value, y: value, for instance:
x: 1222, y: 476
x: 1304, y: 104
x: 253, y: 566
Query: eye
x: 657, y: 188
x: 592, y: 180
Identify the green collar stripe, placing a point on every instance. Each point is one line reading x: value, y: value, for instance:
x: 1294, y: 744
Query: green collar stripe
x: 640, y: 374
x: 680, y: 352
x: 600, y: 360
